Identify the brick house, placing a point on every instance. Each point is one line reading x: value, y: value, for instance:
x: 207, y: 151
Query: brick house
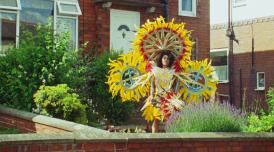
x: 101, y: 27
x: 253, y: 66
x: 103, y: 23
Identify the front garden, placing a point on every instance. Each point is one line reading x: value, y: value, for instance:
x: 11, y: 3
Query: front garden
x: 45, y: 76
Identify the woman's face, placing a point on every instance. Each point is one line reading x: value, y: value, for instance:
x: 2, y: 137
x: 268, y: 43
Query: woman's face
x: 165, y: 61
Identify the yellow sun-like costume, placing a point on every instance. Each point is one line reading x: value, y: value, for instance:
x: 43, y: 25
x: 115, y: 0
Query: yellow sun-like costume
x: 159, y: 35
x: 202, y: 73
x: 122, y: 73
x: 130, y: 76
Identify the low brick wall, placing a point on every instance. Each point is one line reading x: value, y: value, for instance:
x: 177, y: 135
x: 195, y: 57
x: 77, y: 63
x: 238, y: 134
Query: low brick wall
x: 80, y: 138
x: 28, y: 122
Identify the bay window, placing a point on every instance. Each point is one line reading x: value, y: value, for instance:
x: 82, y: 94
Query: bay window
x: 29, y: 13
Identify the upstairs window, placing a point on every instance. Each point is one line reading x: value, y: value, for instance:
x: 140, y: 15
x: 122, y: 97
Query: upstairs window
x: 187, y: 8
x: 219, y: 59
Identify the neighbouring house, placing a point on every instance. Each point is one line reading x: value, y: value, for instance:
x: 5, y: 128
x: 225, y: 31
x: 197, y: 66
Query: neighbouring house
x: 105, y: 24
x: 253, y: 60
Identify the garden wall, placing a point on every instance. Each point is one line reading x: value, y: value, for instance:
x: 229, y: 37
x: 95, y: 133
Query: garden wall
x: 80, y: 138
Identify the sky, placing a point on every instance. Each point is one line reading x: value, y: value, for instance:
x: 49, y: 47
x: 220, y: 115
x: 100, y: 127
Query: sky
x: 247, y: 10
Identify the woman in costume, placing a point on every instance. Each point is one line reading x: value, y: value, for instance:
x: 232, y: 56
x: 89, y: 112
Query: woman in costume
x: 161, y: 83
x: 134, y: 75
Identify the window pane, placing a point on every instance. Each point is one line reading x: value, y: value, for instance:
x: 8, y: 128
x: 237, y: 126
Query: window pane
x: 261, y: 80
x: 187, y: 5
x: 8, y: 31
x: 219, y: 58
x: 69, y: 7
x: 221, y: 72
x: 12, y: 3
x: 35, y: 11
x: 67, y: 25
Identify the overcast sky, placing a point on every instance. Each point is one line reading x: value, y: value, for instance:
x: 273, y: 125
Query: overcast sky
x: 249, y: 9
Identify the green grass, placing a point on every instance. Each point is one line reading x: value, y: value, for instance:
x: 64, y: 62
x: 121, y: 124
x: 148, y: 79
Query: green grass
x: 4, y: 130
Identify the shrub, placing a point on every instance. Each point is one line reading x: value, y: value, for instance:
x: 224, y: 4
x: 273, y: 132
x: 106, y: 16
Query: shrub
x: 102, y: 105
x: 270, y: 100
x: 58, y: 101
x: 42, y: 58
x: 206, y: 117
x: 264, y: 122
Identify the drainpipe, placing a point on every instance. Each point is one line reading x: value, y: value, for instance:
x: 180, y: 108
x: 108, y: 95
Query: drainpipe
x: 165, y: 12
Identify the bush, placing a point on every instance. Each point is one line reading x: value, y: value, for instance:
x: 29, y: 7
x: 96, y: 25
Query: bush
x: 41, y: 58
x: 207, y: 117
x: 270, y: 100
x: 58, y: 101
x: 102, y: 105
x: 264, y: 122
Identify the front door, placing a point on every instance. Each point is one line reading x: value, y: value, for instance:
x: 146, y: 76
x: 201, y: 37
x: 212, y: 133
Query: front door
x: 123, y: 26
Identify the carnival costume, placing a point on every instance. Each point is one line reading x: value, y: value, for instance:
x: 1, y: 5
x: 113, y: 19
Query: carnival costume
x: 130, y: 76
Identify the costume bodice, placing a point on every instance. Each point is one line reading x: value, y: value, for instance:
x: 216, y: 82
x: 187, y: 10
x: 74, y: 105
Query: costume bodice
x: 163, y: 79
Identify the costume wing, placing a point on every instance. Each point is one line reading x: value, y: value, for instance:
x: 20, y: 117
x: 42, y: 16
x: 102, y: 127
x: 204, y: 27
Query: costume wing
x: 123, y: 74
x: 197, y: 81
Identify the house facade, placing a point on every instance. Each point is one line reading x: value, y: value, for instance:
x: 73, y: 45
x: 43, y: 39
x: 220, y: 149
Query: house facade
x: 253, y: 60
x: 111, y: 24
x: 105, y: 24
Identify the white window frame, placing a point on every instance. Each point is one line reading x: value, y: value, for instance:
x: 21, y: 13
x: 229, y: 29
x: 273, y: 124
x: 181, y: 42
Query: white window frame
x: 11, y: 7
x: 227, y: 54
x: 192, y: 13
x: 239, y: 4
x: 62, y: 12
x: 257, y: 81
x: 17, y: 12
x: 70, y: 15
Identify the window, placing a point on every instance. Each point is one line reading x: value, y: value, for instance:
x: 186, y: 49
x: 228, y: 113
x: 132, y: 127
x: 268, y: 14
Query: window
x: 219, y: 59
x: 260, y: 81
x: 10, y: 4
x: 35, y: 11
x: 68, y: 25
x: 239, y: 3
x: 67, y: 20
x: 8, y: 25
x: 64, y: 13
x: 187, y: 8
x: 68, y: 8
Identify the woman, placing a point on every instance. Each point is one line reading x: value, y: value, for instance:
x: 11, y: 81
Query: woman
x: 161, y: 83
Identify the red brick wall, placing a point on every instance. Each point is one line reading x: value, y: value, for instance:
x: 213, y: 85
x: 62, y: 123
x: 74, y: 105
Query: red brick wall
x: 200, y: 24
x: 263, y: 62
x: 90, y: 141
x: 145, y: 145
x: 27, y: 126
x: 94, y: 23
